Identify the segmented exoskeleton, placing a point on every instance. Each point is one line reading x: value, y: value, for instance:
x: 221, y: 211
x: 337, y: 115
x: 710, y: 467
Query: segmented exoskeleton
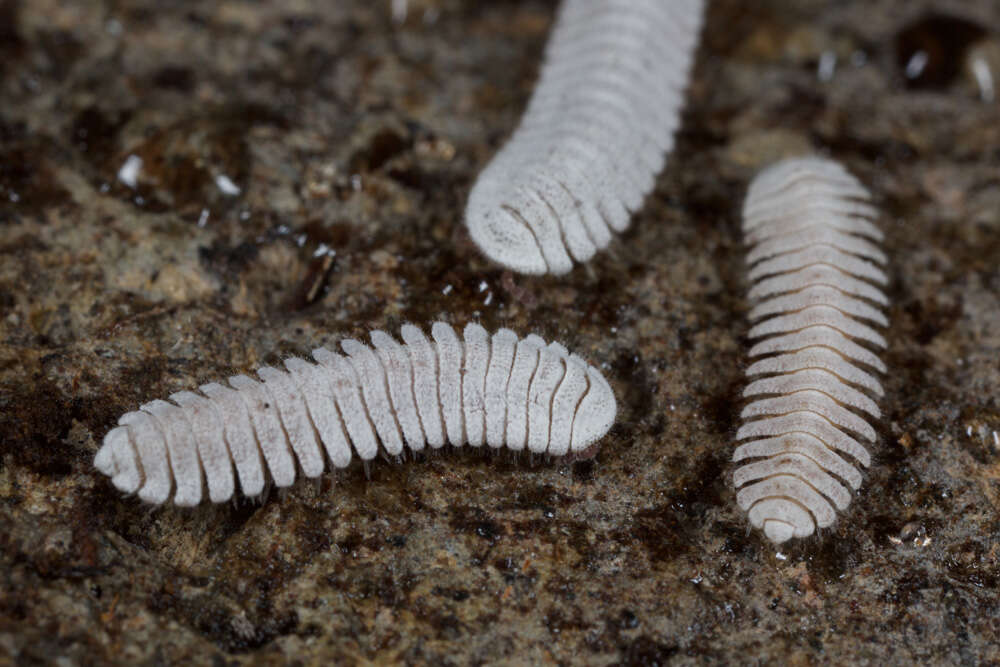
x: 594, y: 136
x: 498, y: 391
x: 815, y: 269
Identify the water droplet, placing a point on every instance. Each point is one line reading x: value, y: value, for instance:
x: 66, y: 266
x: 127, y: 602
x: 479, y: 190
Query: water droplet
x: 226, y: 185
x: 827, y: 66
x: 128, y: 173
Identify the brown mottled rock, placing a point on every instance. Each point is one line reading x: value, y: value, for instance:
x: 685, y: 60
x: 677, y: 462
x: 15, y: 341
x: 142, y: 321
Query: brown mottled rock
x: 352, y: 135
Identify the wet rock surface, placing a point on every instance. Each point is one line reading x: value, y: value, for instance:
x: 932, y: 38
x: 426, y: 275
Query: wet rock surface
x: 303, y: 173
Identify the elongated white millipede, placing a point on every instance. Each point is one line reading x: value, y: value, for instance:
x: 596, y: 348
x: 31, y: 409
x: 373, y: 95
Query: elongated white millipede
x: 817, y: 302
x: 500, y: 391
x: 595, y: 134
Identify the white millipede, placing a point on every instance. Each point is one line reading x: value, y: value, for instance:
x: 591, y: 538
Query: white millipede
x: 595, y: 134
x: 816, y: 286
x: 498, y: 391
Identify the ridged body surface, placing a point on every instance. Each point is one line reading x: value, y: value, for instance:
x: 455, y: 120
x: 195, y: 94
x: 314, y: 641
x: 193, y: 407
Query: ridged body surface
x: 498, y: 391
x: 595, y: 134
x: 817, y: 277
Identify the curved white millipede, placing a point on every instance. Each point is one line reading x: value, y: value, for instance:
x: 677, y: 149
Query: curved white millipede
x: 816, y: 288
x: 595, y: 134
x: 499, y: 390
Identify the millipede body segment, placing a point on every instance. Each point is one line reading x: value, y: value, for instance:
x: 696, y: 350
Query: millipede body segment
x: 817, y: 278
x: 479, y: 390
x: 594, y: 136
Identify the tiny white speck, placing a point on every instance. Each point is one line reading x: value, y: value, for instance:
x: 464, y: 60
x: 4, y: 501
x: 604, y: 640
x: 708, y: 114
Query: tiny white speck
x: 996, y: 439
x: 129, y: 171
x: 14, y: 197
x: 984, y: 78
x: 489, y: 299
x: 399, y: 8
x: 447, y: 290
x: 483, y: 286
x: 203, y: 217
x: 226, y: 185
x: 915, y: 66
x: 780, y: 556
x: 324, y: 249
x: 356, y: 182
x: 697, y: 579
x: 827, y: 66
x: 300, y: 240
x: 244, y: 215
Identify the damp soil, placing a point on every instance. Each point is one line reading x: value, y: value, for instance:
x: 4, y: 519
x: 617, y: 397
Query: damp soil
x: 189, y: 190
